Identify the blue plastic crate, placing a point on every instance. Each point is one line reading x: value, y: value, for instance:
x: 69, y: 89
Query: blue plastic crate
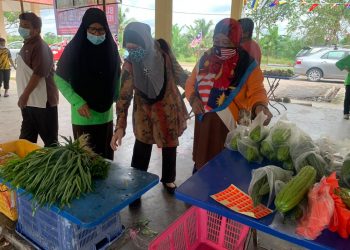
x: 50, y: 231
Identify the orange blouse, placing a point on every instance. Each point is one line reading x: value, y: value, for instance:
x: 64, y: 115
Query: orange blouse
x: 251, y: 94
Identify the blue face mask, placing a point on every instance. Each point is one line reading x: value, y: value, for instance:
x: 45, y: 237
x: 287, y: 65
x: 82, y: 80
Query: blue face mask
x: 25, y: 33
x: 96, y: 40
x: 136, y: 55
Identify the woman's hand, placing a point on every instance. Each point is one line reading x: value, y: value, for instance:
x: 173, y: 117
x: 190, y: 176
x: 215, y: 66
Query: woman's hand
x: 197, y: 106
x: 117, y: 138
x: 84, y: 111
x: 263, y: 108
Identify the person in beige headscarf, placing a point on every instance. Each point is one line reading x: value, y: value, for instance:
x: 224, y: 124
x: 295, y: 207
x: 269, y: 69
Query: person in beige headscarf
x: 159, y: 113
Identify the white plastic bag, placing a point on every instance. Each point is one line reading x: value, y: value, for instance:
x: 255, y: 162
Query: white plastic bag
x: 249, y: 149
x: 233, y: 136
x: 257, y: 130
x: 274, y: 174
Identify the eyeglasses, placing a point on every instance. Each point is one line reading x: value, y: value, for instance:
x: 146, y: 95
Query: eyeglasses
x: 94, y: 30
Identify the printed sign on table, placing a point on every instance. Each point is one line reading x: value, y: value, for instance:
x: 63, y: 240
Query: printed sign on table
x: 240, y: 202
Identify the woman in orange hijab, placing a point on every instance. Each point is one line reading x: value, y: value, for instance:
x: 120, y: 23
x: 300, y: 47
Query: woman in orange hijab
x: 225, y: 87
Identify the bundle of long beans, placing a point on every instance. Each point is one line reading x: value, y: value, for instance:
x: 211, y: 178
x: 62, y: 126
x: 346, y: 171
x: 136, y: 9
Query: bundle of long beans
x: 57, y: 175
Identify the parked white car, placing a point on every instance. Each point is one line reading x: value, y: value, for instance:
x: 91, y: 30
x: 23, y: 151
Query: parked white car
x: 319, y: 62
x: 14, y: 48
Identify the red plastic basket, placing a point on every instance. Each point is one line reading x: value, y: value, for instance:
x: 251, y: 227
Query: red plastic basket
x: 199, y: 229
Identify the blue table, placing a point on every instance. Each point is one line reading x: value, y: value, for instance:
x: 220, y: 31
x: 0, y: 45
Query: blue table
x: 123, y: 186
x: 230, y: 167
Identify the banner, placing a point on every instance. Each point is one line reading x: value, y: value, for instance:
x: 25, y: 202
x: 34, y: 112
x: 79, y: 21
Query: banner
x: 68, y: 21
x: 45, y: 2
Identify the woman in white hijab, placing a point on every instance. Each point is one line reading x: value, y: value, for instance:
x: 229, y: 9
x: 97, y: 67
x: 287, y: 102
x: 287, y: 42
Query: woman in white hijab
x: 159, y: 113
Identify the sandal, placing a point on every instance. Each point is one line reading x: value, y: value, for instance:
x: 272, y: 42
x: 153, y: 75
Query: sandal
x: 170, y: 189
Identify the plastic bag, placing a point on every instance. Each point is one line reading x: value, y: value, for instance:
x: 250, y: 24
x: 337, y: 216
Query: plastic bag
x: 319, y: 211
x: 345, y: 171
x: 281, y: 133
x: 267, y: 149
x: 340, y: 222
x: 329, y: 150
x: 257, y: 130
x: 233, y: 136
x: 249, y: 149
x: 314, y: 159
x: 274, y: 174
x: 301, y: 143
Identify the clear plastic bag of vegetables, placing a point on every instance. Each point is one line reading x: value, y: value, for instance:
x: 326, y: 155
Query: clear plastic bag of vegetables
x: 257, y: 130
x: 314, y: 159
x: 328, y: 149
x: 267, y: 149
x: 345, y: 171
x: 249, y: 149
x: 282, y: 132
x: 301, y: 143
x: 234, y: 135
x: 263, y: 182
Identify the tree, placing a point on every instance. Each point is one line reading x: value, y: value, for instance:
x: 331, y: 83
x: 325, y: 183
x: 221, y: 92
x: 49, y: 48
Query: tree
x: 123, y: 22
x: 201, y: 25
x: 11, y: 21
x: 327, y: 24
x: 269, y: 42
x: 51, y: 38
x: 266, y: 17
x: 179, y: 42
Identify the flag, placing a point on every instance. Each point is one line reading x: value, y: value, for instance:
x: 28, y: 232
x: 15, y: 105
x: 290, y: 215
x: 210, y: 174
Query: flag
x: 313, y: 7
x: 255, y: 4
x: 335, y: 5
x: 197, y: 40
x: 277, y: 2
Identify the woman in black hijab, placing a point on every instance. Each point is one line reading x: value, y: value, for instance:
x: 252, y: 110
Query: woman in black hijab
x: 88, y: 76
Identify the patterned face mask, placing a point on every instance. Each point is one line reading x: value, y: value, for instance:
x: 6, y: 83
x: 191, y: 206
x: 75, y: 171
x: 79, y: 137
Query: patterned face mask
x: 137, y: 54
x: 224, y: 53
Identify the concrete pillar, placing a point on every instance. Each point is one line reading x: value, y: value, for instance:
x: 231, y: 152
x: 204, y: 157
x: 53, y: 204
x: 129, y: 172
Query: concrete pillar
x: 164, y: 19
x: 236, y: 9
x: 3, y: 33
x: 35, y: 8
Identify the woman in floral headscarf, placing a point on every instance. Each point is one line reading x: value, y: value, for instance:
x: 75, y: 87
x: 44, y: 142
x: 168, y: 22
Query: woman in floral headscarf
x: 226, y: 87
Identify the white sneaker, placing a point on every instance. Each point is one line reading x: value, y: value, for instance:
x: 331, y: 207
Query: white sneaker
x: 346, y: 116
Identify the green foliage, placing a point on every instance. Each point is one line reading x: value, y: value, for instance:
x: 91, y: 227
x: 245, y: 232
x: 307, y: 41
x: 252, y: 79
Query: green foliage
x: 11, y: 19
x: 51, y: 38
x: 11, y: 38
x: 266, y: 18
x: 123, y: 21
x: 333, y: 20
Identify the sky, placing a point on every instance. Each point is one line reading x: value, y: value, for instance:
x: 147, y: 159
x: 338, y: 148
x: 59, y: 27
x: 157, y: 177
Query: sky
x: 184, y: 12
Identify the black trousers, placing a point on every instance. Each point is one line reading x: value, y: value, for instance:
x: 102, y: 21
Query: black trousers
x: 40, y: 121
x: 100, y: 137
x: 142, y: 155
x: 347, y: 99
x: 5, y: 78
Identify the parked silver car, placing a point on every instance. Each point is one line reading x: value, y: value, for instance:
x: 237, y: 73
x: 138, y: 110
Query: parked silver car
x: 319, y: 62
x: 15, y: 48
